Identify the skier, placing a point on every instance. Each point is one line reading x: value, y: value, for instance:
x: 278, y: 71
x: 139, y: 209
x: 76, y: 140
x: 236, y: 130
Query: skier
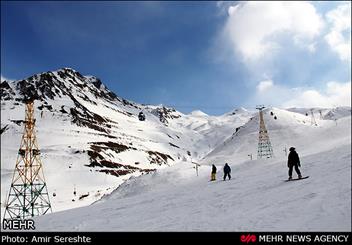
x: 227, y: 171
x: 213, y: 173
x: 293, y: 161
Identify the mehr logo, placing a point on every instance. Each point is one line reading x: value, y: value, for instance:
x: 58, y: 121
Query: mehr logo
x: 248, y: 238
x: 18, y: 224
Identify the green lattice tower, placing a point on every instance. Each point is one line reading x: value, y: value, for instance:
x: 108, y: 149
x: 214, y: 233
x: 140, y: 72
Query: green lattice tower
x: 265, y: 149
x: 28, y: 195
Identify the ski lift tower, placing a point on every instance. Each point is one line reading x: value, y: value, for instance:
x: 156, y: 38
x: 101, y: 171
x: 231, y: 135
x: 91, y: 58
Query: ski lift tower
x: 28, y: 195
x: 265, y: 149
x: 312, y: 119
x: 321, y: 115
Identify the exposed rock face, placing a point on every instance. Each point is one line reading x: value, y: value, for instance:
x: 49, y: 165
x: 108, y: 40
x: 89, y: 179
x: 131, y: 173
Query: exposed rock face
x: 67, y: 95
x: 164, y: 113
x: 6, y: 92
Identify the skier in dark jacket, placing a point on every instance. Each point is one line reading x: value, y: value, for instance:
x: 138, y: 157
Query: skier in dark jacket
x: 293, y: 161
x: 227, y: 171
x: 213, y: 173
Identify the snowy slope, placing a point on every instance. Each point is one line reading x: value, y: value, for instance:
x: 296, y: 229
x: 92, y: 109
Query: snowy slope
x: 207, y: 132
x: 257, y: 198
x: 288, y: 129
x: 324, y: 113
x: 91, y: 140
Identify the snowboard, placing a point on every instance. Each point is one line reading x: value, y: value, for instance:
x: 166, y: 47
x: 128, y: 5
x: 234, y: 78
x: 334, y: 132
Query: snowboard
x: 305, y: 177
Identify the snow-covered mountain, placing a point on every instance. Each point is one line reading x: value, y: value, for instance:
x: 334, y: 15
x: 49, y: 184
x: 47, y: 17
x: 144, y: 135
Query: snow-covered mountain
x: 256, y: 198
x: 91, y: 140
x: 324, y: 113
x: 286, y: 129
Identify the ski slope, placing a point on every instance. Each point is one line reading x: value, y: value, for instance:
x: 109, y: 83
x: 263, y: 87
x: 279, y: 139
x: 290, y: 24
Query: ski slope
x: 289, y: 129
x: 257, y: 198
x: 65, y: 159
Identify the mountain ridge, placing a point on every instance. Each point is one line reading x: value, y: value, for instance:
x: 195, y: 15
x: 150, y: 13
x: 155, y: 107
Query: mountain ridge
x: 92, y: 130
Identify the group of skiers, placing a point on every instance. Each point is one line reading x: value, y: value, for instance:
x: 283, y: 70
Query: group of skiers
x: 227, y: 172
x: 292, y: 162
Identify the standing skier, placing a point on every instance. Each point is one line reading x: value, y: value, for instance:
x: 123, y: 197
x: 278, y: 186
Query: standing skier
x: 293, y: 161
x: 213, y: 173
x: 227, y: 171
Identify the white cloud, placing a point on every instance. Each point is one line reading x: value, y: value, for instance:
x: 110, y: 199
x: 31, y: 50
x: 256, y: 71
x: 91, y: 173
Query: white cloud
x: 223, y: 6
x: 232, y: 9
x: 340, y: 20
x: 264, y: 85
x: 254, y: 28
x: 333, y: 94
x: 311, y: 47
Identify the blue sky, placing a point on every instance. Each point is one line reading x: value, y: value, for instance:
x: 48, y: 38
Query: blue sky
x: 211, y: 56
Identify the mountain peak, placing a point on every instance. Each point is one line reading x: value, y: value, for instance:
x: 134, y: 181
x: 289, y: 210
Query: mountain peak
x: 198, y: 113
x: 53, y: 84
x: 67, y: 69
x: 237, y: 111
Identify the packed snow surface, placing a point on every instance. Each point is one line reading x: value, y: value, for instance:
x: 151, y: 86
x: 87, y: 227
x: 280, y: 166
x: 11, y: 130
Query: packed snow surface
x: 256, y: 198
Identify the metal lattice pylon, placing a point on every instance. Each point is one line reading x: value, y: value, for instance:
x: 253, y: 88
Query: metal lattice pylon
x: 312, y: 119
x: 265, y: 149
x: 28, y: 195
x: 321, y: 115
